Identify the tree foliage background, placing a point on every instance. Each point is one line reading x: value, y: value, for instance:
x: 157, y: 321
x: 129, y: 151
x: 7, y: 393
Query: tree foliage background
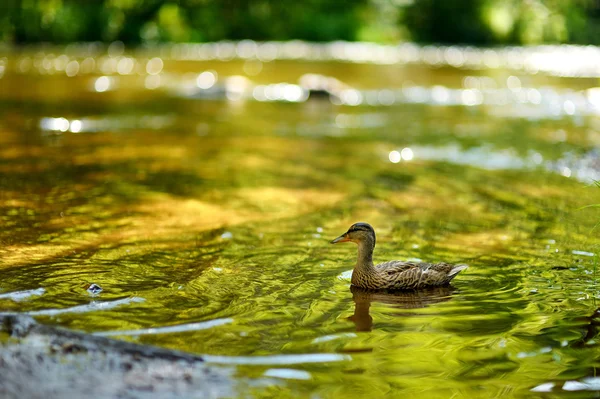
x: 483, y: 22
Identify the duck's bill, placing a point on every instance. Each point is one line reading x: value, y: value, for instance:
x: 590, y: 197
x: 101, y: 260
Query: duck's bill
x: 342, y: 238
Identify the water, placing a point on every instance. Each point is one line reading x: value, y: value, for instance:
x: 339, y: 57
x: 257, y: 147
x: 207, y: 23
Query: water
x: 206, y: 221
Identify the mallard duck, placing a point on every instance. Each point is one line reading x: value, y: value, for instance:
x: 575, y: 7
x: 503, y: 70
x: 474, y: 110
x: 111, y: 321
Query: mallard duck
x: 395, y: 274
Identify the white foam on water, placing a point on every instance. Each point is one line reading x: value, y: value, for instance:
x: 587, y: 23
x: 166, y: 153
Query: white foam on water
x: 204, y: 325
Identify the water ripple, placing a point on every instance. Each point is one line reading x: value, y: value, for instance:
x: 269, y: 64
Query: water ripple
x: 278, y: 359
x: 169, y: 329
x: 22, y: 295
x: 289, y: 374
x: 89, y: 307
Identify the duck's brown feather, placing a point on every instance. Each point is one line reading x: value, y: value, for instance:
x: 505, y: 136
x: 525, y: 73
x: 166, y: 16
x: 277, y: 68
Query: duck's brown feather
x: 407, y: 275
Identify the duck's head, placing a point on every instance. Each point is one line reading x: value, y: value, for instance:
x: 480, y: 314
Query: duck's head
x: 357, y: 233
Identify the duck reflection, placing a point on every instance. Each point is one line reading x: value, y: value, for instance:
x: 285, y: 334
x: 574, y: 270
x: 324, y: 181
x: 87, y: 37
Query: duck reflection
x: 398, y: 299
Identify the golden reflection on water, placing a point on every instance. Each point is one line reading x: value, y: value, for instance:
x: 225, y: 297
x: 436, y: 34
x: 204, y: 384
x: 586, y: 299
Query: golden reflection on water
x: 217, y: 210
x: 400, y: 300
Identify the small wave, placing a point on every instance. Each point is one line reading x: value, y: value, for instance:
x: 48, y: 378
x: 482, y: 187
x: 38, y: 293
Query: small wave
x: 22, y: 295
x: 288, y: 374
x: 277, y: 359
x: 88, y: 307
x: 204, y: 325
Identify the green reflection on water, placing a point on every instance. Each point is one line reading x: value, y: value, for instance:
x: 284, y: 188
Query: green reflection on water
x: 233, y: 220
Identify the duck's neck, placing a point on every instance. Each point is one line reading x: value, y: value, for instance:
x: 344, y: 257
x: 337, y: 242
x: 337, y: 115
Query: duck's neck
x: 364, y: 265
x: 365, y: 253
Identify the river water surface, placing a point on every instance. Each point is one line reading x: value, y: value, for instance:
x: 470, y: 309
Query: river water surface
x: 203, y: 206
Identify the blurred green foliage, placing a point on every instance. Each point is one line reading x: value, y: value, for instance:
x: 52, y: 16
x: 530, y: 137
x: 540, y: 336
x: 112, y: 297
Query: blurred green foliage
x: 504, y: 21
x: 137, y: 21
x: 484, y: 22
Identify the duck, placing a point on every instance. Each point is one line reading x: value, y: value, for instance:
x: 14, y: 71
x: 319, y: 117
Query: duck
x: 395, y: 274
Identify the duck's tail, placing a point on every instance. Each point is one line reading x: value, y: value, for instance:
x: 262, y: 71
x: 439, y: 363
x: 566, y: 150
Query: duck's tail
x: 457, y: 269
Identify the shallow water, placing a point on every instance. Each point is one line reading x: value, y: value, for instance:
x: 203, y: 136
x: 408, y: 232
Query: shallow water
x: 206, y: 223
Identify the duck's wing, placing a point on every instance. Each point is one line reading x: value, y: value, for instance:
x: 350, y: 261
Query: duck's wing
x: 396, y: 266
x: 402, y: 274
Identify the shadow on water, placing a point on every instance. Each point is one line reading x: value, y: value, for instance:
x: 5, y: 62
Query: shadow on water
x: 396, y: 299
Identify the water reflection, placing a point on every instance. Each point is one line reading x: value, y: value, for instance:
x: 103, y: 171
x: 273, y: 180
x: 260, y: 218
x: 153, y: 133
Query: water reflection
x: 278, y: 359
x: 208, y: 210
x: 167, y: 329
x: 93, y: 306
x: 397, y: 299
x: 584, y: 167
x: 558, y: 60
x: 22, y: 295
x: 512, y: 96
x: 103, y: 83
